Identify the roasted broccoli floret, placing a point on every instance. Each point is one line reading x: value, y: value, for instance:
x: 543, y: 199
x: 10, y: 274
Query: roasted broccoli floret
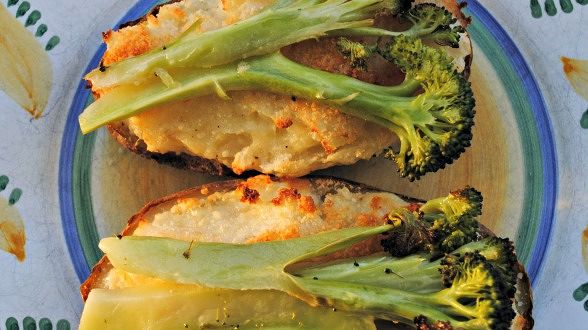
x: 416, y: 235
x: 417, y: 271
x: 474, y: 298
x: 501, y: 253
x: 434, y: 23
x: 453, y: 218
x: 428, y: 22
x: 467, y: 201
x: 356, y: 52
x: 438, y: 226
x: 436, y: 139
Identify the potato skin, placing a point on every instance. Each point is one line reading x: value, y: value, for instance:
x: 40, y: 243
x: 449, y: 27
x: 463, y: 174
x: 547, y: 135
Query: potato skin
x: 183, y: 161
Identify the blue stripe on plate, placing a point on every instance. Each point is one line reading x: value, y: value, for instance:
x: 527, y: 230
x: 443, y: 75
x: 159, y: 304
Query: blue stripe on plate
x: 542, y: 120
x: 67, y: 153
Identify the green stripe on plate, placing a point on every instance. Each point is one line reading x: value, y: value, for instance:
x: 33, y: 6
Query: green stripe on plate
x: 533, y: 167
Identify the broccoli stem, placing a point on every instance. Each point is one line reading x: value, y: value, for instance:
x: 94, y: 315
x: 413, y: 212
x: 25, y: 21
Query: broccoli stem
x: 403, y: 305
x: 382, y: 302
x: 187, y: 306
x: 388, y: 105
x: 234, y: 266
x: 415, y: 31
x: 414, y: 272
x: 264, y: 33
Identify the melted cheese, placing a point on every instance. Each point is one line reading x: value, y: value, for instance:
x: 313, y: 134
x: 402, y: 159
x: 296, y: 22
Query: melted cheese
x: 245, y: 133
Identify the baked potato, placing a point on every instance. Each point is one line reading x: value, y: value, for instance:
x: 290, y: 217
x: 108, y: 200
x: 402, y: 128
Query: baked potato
x: 255, y: 130
x: 256, y: 210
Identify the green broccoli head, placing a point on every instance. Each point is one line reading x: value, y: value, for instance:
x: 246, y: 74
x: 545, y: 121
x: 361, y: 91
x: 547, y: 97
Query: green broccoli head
x: 431, y: 22
x: 430, y: 16
x: 453, y: 234
x: 438, y: 122
x: 475, y: 298
x: 437, y: 236
x: 501, y: 253
x: 453, y: 264
x: 447, y: 36
x: 467, y: 201
x: 356, y: 52
x: 435, y: 126
x: 453, y: 218
x: 473, y: 295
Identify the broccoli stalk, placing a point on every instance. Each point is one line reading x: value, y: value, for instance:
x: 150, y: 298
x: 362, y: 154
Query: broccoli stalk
x: 258, y: 266
x: 193, y: 307
x: 416, y: 271
x: 434, y: 127
x: 469, y: 288
x: 428, y: 22
x: 473, y: 300
x: 285, y: 23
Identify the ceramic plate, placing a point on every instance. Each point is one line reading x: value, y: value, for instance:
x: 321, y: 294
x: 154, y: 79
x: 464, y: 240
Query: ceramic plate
x: 68, y: 190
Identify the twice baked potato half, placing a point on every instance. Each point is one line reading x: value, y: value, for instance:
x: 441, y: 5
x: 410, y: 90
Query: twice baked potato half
x: 283, y: 135
x: 260, y: 209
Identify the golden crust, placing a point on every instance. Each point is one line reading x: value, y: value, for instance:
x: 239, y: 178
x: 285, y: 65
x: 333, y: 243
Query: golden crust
x: 103, y: 264
x: 134, y: 38
x: 137, y: 42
